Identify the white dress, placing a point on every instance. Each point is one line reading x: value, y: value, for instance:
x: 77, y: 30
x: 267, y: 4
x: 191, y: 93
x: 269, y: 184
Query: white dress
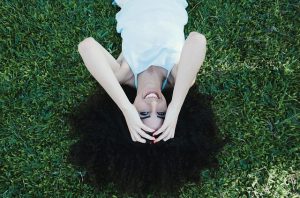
x: 152, y: 33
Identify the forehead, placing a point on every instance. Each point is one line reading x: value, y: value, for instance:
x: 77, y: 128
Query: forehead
x: 153, y: 122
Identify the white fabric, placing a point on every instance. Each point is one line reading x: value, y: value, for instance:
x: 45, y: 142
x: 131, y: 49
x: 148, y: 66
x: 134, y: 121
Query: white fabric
x: 152, y: 33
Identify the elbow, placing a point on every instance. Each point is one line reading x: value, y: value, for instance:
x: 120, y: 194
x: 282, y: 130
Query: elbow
x: 198, y: 37
x: 86, y: 44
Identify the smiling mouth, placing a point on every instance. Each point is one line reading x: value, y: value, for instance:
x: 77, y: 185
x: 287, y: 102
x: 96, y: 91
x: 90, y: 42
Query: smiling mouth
x: 151, y: 94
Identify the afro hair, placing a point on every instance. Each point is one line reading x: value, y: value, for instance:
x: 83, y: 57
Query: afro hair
x: 107, y: 153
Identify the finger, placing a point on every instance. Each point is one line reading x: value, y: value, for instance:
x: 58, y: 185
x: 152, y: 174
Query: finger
x: 168, y: 136
x: 162, y: 136
x: 138, y: 138
x: 132, y: 137
x: 145, y: 135
x: 146, y: 128
x: 160, y: 130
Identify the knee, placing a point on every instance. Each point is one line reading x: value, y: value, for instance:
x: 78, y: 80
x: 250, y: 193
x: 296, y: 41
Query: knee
x: 197, y: 36
x: 86, y: 43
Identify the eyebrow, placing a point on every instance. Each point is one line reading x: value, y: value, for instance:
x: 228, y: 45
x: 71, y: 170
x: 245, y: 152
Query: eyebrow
x: 149, y: 117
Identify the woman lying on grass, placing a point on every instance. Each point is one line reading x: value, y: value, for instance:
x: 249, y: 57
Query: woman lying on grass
x: 156, y: 68
x: 154, y: 56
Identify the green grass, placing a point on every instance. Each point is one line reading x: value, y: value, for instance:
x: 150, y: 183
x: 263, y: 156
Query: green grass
x: 251, y: 68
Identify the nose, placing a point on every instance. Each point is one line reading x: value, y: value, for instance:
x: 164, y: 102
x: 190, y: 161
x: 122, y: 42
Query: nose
x: 153, y: 105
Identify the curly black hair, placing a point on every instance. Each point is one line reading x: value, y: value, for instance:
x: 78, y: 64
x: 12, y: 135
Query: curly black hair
x: 109, y: 155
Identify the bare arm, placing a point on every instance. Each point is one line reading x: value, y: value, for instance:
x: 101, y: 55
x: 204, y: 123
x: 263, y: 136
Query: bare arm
x: 191, y: 59
x: 98, y: 66
x: 95, y: 61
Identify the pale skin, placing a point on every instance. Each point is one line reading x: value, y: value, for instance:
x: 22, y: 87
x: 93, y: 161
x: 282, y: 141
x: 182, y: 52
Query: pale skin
x: 111, y: 73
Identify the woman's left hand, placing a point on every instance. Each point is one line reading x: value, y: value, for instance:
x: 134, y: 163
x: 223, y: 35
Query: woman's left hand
x: 169, y: 125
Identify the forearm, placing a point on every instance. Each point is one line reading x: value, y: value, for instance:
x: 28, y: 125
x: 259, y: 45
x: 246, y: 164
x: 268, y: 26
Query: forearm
x: 191, y: 59
x: 97, y: 65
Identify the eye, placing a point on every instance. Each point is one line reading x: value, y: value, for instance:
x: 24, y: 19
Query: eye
x: 161, y: 113
x: 143, y: 113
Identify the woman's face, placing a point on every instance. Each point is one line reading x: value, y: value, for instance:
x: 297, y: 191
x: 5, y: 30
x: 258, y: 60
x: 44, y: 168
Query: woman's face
x: 151, y: 108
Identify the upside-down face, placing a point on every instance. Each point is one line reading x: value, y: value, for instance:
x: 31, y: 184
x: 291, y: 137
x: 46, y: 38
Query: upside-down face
x: 151, y: 106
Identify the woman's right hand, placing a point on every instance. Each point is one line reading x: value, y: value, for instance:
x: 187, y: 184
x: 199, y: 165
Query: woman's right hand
x: 135, y: 125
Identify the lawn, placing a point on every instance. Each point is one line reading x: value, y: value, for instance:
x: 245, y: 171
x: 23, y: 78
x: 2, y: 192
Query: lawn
x: 251, y: 69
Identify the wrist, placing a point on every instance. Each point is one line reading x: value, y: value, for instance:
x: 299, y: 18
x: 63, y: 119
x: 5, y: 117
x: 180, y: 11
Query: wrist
x: 126, y: 106
x: 175, y: 106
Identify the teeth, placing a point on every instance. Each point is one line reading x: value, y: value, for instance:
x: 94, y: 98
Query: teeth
x: 151, y: 95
